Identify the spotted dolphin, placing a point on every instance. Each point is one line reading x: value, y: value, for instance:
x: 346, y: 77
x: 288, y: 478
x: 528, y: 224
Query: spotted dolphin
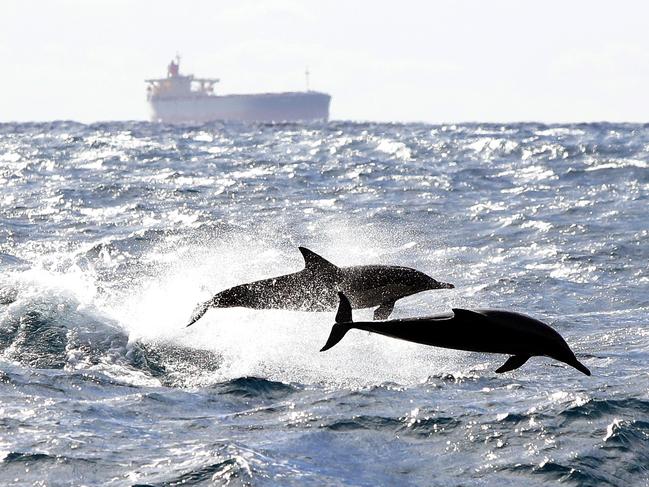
x: 481, y: 330
x: 314, y: 288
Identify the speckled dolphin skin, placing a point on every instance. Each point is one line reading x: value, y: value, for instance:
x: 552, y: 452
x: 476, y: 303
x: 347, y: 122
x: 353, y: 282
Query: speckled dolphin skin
x: 314, y: 288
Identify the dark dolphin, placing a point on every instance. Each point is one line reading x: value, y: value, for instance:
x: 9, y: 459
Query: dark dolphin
x: 482, y: 330
x: 314, y: 288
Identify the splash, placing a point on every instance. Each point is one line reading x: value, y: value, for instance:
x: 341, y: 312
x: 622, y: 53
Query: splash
x: 143, y: 311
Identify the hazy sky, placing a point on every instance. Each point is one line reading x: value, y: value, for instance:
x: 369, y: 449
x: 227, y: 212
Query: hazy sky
x: 435, y: 61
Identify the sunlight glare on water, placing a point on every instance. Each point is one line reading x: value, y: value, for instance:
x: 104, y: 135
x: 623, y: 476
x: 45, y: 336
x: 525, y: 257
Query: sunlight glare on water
x: 112, y: 233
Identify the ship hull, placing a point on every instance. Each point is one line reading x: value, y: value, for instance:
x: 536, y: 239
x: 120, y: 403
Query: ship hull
x: 269, y: 107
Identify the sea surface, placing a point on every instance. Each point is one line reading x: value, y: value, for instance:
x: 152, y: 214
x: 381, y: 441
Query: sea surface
x: 111, y: 233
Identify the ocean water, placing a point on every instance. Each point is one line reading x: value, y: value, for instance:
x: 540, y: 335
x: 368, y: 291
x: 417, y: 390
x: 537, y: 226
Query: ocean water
x: 111, y: 233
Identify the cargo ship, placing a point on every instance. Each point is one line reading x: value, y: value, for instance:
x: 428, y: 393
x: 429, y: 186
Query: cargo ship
x: 183, y: 98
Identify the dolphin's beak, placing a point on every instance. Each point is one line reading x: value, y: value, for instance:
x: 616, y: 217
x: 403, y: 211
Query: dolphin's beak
x: 579, y: 366
x: 435, y: 284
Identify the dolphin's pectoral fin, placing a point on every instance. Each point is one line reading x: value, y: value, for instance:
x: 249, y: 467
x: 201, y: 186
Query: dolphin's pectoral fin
x: 384, y: 311
x: 316, y: 263
x: 513, y: 362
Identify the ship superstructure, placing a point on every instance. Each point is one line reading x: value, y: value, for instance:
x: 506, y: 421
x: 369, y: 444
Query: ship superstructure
x: 184, y: 98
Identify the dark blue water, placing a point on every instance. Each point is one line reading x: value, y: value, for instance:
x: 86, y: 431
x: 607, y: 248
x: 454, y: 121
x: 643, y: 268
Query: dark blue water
x: 111, y: 233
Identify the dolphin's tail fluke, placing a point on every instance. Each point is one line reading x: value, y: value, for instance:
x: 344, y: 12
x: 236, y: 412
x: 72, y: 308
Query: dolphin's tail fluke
x: 343, y: 323
x: 344, y: 314
x: 199, y: 311
x: 338, y: 331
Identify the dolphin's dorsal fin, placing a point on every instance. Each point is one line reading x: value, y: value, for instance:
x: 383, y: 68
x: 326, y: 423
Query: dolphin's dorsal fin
x: 314, y: 262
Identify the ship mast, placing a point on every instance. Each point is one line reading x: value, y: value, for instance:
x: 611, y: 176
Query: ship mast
x: 306, y: 75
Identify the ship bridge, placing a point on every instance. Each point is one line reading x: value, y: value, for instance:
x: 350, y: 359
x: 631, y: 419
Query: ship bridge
x: 176, y: 85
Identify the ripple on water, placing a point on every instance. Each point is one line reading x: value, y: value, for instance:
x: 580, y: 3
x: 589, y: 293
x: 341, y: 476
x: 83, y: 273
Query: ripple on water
x: 111, y: 233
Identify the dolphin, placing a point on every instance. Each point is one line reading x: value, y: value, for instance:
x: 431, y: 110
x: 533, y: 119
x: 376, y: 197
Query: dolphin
x: 481, y: 330
x: 314, y: 288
